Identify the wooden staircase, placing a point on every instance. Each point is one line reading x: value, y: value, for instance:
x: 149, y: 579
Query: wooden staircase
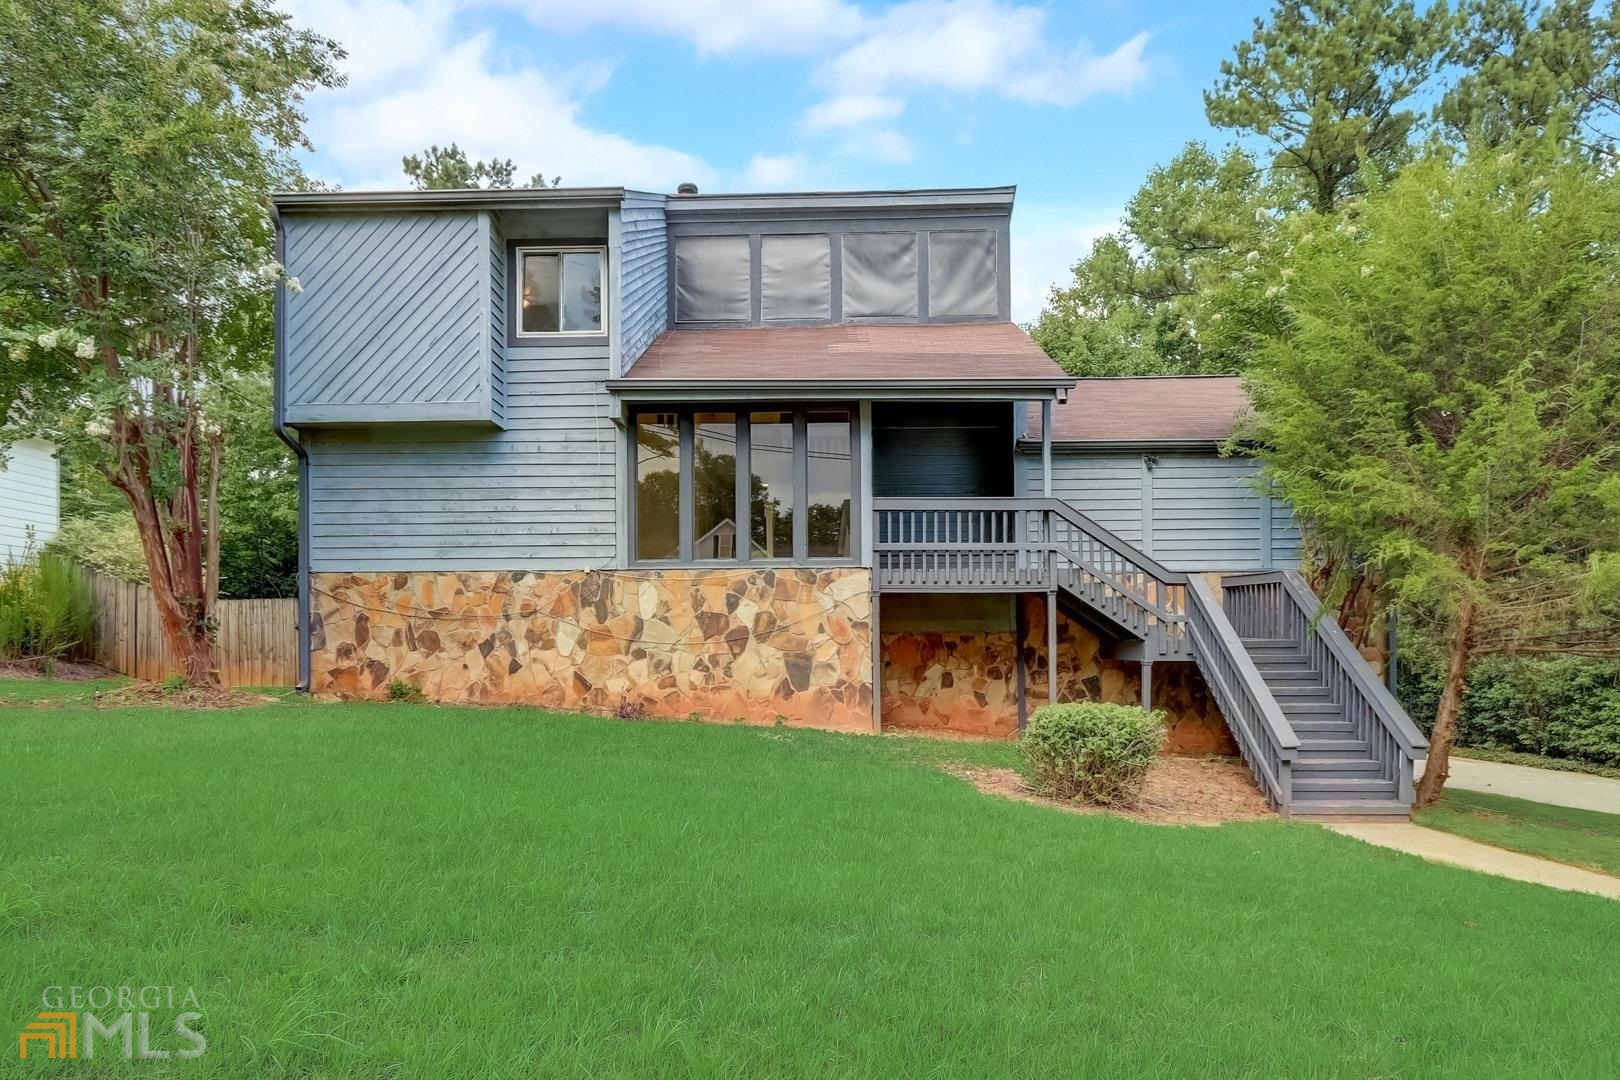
x: 1336, y: 772
x: 1321, y: 733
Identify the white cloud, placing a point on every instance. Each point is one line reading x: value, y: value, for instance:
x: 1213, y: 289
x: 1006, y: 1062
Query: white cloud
x: 713, y: 26
x: 383, y: 38
x: 414, y: 82
x: 768, y: 172
x: 852, y: 110
x: 979, y: 45
x: 1047, y: 240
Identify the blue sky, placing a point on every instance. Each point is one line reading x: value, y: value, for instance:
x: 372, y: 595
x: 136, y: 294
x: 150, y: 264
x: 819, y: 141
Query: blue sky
x: 1071, y: 102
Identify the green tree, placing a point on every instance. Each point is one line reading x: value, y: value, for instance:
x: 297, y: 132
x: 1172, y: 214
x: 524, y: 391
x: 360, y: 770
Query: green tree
x: 1332, y: 85
x: 1528, y: 66
x: 448, y: 167
x: 139, y: 140
x: 1441, y: 401
x: 1140, y: 304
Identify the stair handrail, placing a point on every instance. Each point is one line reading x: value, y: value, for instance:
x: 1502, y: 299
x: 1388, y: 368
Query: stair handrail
x: 1382, y: 703
x: 1215, y: 637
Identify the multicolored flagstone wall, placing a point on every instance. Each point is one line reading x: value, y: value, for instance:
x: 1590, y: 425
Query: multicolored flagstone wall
x: 966, y: 682
x: 759, y: 645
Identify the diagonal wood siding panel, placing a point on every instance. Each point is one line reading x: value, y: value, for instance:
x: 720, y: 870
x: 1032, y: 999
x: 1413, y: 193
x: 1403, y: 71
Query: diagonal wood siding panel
x: 643, y: 270
x: 396, y: 311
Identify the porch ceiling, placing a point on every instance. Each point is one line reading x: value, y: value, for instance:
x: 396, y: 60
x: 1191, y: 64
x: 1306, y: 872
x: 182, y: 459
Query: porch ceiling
x: 978, y: 360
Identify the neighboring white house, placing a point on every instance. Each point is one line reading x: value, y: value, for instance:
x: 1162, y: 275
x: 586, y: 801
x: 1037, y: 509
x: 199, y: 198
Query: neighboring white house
x: 29, y: 496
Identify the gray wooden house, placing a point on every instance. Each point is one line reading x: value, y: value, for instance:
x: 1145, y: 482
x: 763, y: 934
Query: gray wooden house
x: 783, y: 458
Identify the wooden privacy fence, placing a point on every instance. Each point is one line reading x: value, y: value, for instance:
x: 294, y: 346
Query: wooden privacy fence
x: 257, y: 643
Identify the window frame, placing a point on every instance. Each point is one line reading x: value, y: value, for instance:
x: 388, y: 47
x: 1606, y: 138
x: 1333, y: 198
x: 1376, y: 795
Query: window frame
x: 799, y: 411
x: 519, y: 252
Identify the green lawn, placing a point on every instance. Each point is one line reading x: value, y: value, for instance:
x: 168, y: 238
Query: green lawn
x: 1580, y: 837
x: 392, y: 890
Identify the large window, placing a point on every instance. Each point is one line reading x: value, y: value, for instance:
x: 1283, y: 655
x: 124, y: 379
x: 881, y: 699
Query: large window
x: 761, y: 485
x: 560, y: 291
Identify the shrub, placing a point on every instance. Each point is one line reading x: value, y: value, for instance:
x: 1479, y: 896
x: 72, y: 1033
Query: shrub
x: 400, y: 690
x: 46, y: 609
x: 174, y: 684
x: 107, y: 542
x: 1090, y: 751
x: 1564, y: 707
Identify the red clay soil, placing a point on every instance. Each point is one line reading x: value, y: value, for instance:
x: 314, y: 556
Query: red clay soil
x: 149, y: 693
x: 1179, y: 791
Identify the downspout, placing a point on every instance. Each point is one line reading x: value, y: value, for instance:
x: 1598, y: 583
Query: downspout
x: 278, y: 367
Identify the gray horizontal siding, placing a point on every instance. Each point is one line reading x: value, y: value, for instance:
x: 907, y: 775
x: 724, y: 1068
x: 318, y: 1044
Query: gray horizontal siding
x: 923, y: 450
x: 643, y: 275
x: 394, y: 312
x: 1202, y: 511
x: 536, y: 496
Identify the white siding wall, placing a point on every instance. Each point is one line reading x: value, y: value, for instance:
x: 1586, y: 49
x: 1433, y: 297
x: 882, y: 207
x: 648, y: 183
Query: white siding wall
x: 537, y: 496
x: 29, y: 496
x: 1190, y: 511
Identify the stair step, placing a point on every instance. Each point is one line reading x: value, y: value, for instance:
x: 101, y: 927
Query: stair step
x: 1315, y: 746
x: 1253, y: 643
x: 1286, y: 676
x: 1288, y: 690
x: 1309, y: 707
x: 1313, y: 809
x: 1340, y: 789
x: 1323, y: 768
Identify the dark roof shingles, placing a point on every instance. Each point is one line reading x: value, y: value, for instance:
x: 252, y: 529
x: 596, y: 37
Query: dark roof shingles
x: 1152, y: 409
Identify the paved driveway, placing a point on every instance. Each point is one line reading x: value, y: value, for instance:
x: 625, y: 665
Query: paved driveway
x: 1538, y: 785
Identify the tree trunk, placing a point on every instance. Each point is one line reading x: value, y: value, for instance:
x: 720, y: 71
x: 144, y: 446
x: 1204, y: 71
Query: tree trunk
x: 174, y: 560
x: 1459, y: 653
x: 211, y: 571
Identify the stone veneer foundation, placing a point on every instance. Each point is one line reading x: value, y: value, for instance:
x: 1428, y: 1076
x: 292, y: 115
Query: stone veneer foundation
x: 966, y: 682
x: 757, y: 645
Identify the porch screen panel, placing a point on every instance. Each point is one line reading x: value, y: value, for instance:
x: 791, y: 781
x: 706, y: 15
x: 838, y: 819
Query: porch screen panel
x: 658, y: 486
x: 832, y: 482
x: 771, y: 495
x: 711, y: 279
x: 795, y: 277
x: 714, y: 486
x: 962, y: 273
x: 880, y: 275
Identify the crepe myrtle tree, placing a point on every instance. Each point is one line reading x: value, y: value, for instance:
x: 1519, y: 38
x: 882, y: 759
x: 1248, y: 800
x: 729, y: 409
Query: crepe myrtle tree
x: 1441, y: 404
x: 139, y: 140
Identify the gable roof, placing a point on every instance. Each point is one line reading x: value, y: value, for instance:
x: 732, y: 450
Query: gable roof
x: 1146, y: 410
x: 994, y: 359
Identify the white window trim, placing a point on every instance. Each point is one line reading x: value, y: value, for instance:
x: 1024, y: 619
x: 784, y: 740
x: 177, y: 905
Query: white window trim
x: 518, y: 255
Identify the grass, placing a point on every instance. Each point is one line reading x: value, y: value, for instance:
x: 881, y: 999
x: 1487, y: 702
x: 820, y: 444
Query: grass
x: 404, y: 890
x: 1578, y: 837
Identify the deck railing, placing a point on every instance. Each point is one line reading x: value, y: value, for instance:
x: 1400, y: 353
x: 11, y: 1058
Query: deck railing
x: 1264, y: 736
x: 1034, y: 544
x: 1278, y: 605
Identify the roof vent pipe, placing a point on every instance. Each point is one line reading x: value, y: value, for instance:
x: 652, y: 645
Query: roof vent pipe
x: 686, y: 188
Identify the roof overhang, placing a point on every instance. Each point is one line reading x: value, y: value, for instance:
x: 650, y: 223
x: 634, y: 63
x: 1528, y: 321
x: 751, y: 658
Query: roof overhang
x: 1114, y: 446
x: 460, y: 199
x: 939, y: 201
x: 628, y: 389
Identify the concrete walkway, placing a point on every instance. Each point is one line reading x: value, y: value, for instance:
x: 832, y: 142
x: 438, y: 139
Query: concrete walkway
x: 1437, y: 846
x: 1578, y: 790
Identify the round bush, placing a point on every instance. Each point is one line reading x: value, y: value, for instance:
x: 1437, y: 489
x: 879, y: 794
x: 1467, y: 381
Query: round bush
x: 1090, y: 751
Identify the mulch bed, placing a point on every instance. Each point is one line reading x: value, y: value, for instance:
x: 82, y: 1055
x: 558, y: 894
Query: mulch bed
x: 64, y: 670
x: 149, y: 693
x: 1179, y: 791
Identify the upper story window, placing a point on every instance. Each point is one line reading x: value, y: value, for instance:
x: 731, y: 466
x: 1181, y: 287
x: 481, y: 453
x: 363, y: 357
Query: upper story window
x: 560, y: 290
